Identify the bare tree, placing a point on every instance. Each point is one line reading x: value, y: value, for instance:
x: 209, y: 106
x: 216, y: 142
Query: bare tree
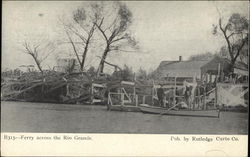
x: 235, y: 32
x: 113, y: 24
x: 39, y: 52
x: 83, y: 28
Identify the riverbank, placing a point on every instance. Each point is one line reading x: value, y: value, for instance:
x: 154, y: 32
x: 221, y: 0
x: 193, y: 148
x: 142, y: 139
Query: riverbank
x: 65, y: 118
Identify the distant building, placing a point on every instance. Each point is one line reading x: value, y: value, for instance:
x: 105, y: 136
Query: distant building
x: 27, y: 68
x: 67, y: 64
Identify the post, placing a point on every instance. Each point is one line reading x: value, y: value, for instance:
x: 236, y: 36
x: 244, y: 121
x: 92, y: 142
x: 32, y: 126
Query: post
x: 210, y: 78
x: 216, y: 96
x: 152, y: 94
x: 92, y: 93
x: 108, y: 98
x: 168, y: 100
x: 206, y: 78
x: 136, y: 100
x: 174, y: 102
x: 67, y: 89
x: 218, y: 73
x: 205, y: 93
x: 143, y: 99
x: 134, y: 96
x: 199, y: 96
x: 122, y: 99
x: 164, y: 100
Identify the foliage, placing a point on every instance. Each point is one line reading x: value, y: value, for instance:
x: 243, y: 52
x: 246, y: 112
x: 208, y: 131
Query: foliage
x: 113, y: 21
x: 141, y: 74
x: 235, y: 32
x: 92, y: 72
x: 125, y: 74
x: 202, y: 56
x: 80, y: 32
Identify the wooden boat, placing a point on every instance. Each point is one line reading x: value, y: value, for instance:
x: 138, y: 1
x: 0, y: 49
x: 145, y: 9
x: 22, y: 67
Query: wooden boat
x: 126, y: 108
x: 145, y: 108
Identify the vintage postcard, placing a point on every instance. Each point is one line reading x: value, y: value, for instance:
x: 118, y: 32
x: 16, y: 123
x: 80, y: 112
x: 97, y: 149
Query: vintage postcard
x: 124, y: 78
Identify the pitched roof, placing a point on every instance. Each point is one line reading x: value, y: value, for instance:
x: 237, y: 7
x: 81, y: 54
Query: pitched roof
x: 180, y: 68
x: 212, y: 65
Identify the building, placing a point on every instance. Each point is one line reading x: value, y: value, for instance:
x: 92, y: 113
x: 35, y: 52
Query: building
x: 182, y: 70
x: 221, y: 67
x: 203, y: 70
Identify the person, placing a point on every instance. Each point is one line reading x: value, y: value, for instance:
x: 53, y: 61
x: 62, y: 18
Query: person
x: 160, y: 95
x: 187, y: 95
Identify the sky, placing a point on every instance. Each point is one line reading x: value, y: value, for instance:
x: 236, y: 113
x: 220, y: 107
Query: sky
x: 164, y: 30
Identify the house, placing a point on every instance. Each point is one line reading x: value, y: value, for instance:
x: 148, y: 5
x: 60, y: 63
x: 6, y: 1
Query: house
x: 182, y: 70
x: 202, y: 70
x: 221, y: 67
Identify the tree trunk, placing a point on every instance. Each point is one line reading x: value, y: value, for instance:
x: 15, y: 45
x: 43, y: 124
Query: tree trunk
x: 38, y: 64
x: 87, y: 46
x: 84, y: 55
x: 40, y: 68
x: 101, y: 65
x: 231, y: 68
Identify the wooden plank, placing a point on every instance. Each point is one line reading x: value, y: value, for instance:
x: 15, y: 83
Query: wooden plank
x: 96, y: 100
x: 127, y: 83
x: 98, y: 85
x: 122, y: 99
x: 126, y: 94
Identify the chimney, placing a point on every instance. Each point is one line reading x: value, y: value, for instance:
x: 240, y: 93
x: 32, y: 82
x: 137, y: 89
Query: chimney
x: 180, y: 58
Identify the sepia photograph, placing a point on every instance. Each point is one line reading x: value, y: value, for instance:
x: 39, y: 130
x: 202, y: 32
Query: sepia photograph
x: 125, y: 67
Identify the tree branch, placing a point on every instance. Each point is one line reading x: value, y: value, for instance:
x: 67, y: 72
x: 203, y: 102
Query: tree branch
x: 227, y: 39
x: 118, y: 39
x: 240, y: 48
x: 78, y: 34
x: 116, y: 66
x: 100, y: 29
x: 74, y: 48
x: 33, y: 54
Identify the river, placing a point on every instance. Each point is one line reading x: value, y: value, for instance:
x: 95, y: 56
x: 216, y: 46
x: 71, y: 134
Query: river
x: 68, y: 118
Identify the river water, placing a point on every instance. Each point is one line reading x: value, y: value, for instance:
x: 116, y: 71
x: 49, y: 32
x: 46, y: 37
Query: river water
x: 68, y: 118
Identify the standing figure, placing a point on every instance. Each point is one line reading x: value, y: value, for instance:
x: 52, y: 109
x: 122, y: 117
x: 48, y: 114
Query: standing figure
x: 187, y: 95
x: 160, y: 95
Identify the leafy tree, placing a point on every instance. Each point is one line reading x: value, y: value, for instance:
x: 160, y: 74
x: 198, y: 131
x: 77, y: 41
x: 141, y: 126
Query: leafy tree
x: 142, y: 74
x: 125, y: 74
x: 202, y: 56
x: 82, y: 28
x: 244, y: 55
x: 113, y: 24
x: 92, y: 72
x: 235, y: 32
x: 223, y: 52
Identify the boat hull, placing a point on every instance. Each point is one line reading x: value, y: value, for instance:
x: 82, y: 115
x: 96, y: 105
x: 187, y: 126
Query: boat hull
x: 163, y: 111
x: 123, y: 108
